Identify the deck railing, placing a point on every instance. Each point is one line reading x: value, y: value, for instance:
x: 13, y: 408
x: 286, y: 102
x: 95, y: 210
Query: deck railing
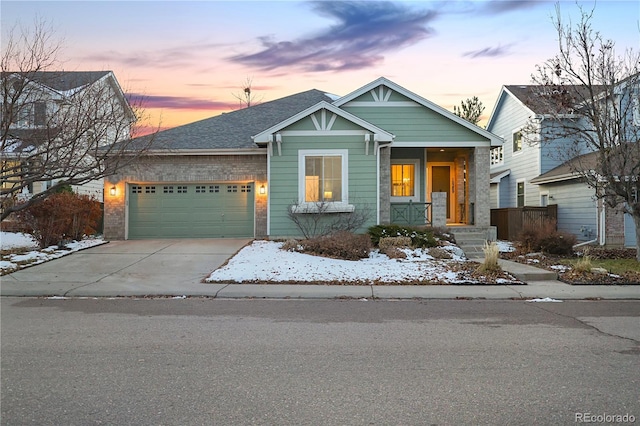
x: 411, y: 213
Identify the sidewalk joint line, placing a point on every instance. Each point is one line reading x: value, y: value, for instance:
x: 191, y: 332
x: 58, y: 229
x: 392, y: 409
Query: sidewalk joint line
x: 115, y: 272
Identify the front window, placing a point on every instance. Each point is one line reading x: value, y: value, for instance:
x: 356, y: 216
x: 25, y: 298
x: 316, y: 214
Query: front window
x: 323, y: 176
x: 497, y: 156
x: 29, y: 115
x: 517, y: 142
x: 520, y: 194
x: 403, y: 180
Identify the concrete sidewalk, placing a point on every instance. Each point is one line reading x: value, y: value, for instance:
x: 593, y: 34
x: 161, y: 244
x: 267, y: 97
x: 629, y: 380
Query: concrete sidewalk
x: 174, y: 268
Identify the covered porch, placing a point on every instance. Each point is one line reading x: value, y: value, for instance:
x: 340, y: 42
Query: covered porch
x: 431, y: 186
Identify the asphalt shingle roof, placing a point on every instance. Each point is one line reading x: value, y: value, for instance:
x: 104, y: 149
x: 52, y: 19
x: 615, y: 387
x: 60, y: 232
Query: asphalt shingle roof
x: 62, y: 81
x: 233, y: 130
x: 546, y: 99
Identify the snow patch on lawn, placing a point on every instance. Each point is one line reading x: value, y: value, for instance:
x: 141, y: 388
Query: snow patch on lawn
x: 264, y: 261
x: 11, y: 240
x: 505, y: 246
x: 26, y: 252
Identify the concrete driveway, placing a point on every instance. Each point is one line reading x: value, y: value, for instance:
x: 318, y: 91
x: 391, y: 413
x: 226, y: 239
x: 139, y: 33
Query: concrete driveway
x: 122, y: 268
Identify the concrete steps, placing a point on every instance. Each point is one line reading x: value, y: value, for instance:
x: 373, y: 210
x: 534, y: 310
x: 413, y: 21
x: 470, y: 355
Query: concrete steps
x: 471, y: 240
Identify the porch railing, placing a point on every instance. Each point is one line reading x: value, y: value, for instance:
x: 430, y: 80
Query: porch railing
x: 411, y: 213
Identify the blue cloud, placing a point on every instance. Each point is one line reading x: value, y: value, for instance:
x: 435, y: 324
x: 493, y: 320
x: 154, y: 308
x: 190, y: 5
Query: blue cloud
x: 488, y: 52
x: 495, y: 7
x: 363, y: 33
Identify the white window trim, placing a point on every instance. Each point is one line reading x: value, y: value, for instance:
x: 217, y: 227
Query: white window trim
x: 521, y: 142
x: 524, y: 192
x: 331, y: 206
x: 416, y: 181
x: 492, y: 157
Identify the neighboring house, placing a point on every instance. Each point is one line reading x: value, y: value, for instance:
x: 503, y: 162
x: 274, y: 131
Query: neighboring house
x: 45, y: 97
x: 380, y: 149
x: 526, y: 173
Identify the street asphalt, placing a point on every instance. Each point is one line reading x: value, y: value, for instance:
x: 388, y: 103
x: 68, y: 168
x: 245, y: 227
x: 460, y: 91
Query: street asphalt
x: 175, y: 268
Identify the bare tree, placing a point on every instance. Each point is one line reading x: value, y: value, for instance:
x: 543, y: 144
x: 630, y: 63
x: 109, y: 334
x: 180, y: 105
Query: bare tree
x: 470, y: 109
x: 57, y: 136
x: 247, y: 97
x: 589, y: 94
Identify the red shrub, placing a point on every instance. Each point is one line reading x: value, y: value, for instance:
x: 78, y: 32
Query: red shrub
x: 61, y: 216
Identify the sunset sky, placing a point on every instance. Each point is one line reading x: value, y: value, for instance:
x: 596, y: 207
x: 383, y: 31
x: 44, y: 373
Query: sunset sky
x: 189, y: 59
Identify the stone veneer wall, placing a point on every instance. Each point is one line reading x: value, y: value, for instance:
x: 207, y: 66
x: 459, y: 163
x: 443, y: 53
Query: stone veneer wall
x: 479, y: 185
x: 189, y: 169
x: 385, y: 190
x: 614, y: 226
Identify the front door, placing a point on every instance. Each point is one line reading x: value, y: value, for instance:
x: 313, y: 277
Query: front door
x: 441, y: 178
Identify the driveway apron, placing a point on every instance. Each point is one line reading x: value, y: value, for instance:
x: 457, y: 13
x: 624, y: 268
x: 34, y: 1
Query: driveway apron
x: 124, y: 268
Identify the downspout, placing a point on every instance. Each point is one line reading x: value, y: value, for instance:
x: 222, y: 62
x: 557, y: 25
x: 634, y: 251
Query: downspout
x: 269, y: 190
x: 600, y: 219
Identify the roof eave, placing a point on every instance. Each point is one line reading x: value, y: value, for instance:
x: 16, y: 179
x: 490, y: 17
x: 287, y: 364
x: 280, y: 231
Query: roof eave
x: 553, y: 179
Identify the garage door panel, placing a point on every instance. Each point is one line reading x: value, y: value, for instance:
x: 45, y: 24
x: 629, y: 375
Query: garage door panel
x: 191, y: 211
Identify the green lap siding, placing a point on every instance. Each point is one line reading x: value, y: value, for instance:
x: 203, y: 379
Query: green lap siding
x: 207, y: 210
x: 415, y: 124
x: 283, y: 190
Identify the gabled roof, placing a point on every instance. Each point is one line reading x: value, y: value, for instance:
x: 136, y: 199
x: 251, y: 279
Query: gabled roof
x: 233, y: 130
x: 544, y: 100
x: 62, y: 81
x: 66, y: 83
x: 497, y: 176
x: 265, y: 136
x: 565, y: 171
x: 495, y: 140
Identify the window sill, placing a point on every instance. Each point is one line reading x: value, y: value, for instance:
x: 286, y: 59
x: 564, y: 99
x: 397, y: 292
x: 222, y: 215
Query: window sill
x: 311, y: 208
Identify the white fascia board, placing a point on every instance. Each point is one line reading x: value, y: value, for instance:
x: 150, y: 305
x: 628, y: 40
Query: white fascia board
x: 498, y: 178
x: 115, y: 84
x: 175, y: 152
x: 420, y: 100
x: 449, y: 144
x: 553, y: 179
x: 266, y: 135
x: 383, y: 104
x: 503, y: 93
x: 310, y: 133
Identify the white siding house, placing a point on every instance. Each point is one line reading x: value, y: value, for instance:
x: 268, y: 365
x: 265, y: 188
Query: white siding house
x: 34, y: 105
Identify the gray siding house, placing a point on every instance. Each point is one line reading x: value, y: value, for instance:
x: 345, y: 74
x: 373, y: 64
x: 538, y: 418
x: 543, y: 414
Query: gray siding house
x: 381, y: 148
x: 527, y: 173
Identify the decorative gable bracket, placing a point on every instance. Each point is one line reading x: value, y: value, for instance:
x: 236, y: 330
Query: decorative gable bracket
x: 277, y: 138
x: 367, y: 139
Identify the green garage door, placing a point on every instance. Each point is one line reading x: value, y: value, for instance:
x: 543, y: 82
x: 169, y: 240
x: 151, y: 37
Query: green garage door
x: 209, y: 210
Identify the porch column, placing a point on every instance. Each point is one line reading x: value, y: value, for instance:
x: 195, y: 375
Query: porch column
x: 479, y: 185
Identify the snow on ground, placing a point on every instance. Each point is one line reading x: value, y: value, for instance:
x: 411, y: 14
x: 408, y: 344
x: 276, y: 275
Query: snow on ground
x: 505, y: 246
x: 11, y: 240
x: 545, y: 299
x: 263, y: 261
x: 26, y: 253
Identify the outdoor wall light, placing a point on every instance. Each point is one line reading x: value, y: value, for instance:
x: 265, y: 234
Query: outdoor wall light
x: 112, y: 191
x: 263, y: 190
